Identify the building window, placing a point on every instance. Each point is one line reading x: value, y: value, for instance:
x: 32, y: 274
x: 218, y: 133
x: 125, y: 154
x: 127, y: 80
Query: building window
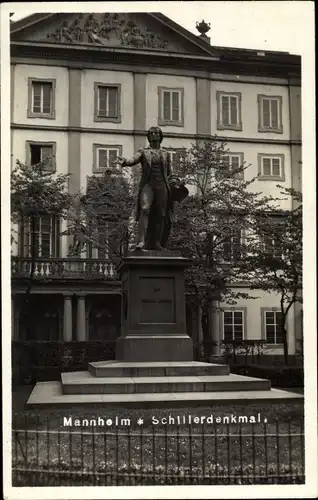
x: 270, y: 231
x: 38, y: 152
x: 170, y: 106
x: 107, y: 102
x: 176, y: 157
x: 232, y: 248
x: 43, y: 240
x: 229, y: 111
x: 270, y: 114
x: 41, y: 98
x: 272, y: 326
x: 233, y: 163
x: 104, y: 157
x: 271, y: 167
x: 233, y: 325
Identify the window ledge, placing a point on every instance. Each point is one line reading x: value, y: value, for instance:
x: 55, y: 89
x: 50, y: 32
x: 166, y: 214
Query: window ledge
x: 164, y: 123
x: 237, y: 128
x: 270, y: 130
x: 107, y: 119
x: 47, y: 116
x: 271, y: 178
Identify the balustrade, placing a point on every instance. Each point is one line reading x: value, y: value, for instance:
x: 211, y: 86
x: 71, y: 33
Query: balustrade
x: 56, y: 268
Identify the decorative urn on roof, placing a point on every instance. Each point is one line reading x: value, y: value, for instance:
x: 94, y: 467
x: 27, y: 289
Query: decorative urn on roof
x: 203, y: 28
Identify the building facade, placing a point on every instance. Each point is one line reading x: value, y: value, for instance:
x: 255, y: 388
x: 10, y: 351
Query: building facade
x: 85, y: 88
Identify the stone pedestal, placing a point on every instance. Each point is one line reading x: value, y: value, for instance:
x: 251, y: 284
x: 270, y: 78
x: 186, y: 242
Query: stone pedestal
x: 153, y: 319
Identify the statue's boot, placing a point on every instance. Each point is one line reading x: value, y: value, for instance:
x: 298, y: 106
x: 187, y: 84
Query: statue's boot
x: 141, y: 233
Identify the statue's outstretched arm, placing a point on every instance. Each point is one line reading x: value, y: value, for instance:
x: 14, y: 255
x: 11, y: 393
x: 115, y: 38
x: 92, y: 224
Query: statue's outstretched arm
x: 130, y: 162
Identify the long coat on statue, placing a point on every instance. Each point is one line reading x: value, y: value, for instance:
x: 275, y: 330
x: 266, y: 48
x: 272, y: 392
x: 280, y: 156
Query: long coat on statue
x: 144, y: 156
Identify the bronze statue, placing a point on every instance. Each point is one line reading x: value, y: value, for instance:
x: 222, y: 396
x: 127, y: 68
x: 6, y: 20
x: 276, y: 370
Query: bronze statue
x: 158, y: 190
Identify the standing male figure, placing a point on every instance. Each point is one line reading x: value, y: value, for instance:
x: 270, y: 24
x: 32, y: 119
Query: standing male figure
x: 155, y: 203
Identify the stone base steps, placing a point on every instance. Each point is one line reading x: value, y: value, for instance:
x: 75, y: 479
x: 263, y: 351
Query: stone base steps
x: 155, y: 369
x: 86, y: 383
x: 158, y: 384
x: 49, y: 395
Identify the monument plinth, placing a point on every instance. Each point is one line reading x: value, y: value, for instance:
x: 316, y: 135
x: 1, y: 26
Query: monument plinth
x: 153, y: 318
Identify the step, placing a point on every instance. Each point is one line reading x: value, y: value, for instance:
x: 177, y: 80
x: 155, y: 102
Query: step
x: 86, y: 383
x: 49, y: 395
x: 155, y: 369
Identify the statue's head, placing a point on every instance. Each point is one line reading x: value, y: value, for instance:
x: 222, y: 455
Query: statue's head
x: 155, y: 134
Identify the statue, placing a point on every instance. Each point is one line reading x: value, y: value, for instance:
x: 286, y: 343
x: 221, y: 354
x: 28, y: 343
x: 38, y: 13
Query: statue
x: 158, y: 190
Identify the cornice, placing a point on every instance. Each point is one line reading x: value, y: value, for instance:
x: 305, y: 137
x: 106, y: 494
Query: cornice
x: 257, y: 66
x: 180, y: 135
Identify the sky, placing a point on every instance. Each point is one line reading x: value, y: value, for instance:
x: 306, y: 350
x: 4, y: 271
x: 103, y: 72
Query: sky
x: 267, y: 25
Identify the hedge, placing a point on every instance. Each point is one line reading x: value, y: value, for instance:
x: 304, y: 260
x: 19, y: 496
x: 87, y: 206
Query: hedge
x: 279, y: 376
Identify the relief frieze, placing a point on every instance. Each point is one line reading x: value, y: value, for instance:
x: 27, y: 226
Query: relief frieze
x: 107, y: 29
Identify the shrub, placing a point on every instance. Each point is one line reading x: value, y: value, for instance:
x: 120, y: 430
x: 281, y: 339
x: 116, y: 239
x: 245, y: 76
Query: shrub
x: 280, y: 376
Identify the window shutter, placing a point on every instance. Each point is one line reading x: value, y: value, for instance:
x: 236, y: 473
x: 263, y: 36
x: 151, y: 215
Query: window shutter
x: 235, y: 162
x: 112, y: 156
x: 225, y: 110
x: 276, y: 166
x: 166, y: 106
x: 266, y: 166
x: 228, y: 326
x: 176, y: 106
x: 46, y: 152
x: 270, y: 326
x: 45, y: 236
x: 279, y: 332
x: 102, y: 158
x: 112, y: 97
x: 102, y: 101
x: 233, y: 110
x: 47, y: 96
x: 274, y: 113
x: 226, y: 161
x: 266, y: 112
x: 36, y: 97
x: 238, y: 325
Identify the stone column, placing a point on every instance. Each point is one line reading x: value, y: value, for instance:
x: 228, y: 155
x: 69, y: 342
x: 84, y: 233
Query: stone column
x: 81, y: 319
x: 67, y: 319
x: 214, y: 321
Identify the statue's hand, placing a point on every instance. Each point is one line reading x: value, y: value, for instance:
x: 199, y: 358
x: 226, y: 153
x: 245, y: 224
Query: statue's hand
x: 120, y: 161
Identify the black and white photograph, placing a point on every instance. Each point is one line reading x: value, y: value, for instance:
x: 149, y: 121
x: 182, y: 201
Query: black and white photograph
x: 158, y: 250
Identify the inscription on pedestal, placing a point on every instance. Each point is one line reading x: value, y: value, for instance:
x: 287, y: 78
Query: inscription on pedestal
x: 157, y: 300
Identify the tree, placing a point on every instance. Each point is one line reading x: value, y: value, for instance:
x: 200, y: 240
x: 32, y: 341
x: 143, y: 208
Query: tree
x: 212, y: 225
x: 104, y: 214
x: 274, y: 259
x: 36, y: 192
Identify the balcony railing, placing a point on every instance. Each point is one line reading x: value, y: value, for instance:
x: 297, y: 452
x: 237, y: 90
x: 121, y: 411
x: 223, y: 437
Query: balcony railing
x: 59, y: 268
